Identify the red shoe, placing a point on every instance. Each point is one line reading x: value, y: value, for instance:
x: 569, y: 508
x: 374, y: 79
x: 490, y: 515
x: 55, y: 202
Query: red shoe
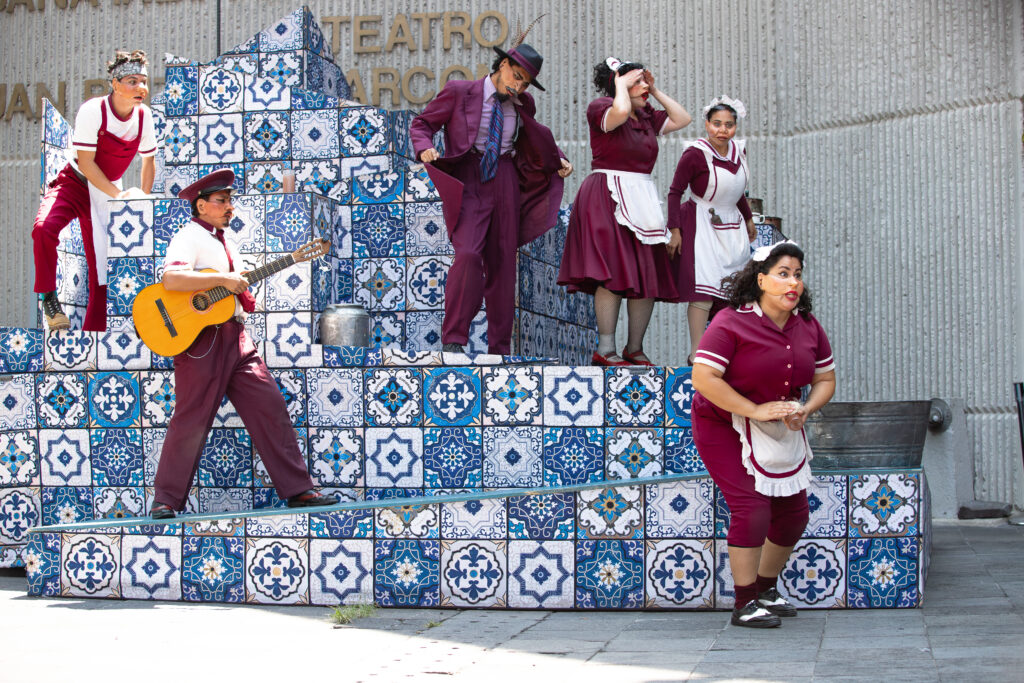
x: 638, y: 357
x: 608, y: 361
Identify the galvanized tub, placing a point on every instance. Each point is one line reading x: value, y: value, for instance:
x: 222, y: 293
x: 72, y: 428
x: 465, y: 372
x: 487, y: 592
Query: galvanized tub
x: 857, y: 435
x: 345, y: 325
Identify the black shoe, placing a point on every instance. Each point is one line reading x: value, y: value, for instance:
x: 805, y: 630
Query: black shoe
x: 773, y: 601
x: 56, y: 319
x: 753, y: 615
x: 161, y: 511
x: 311, y: 499
x: 452, y: 347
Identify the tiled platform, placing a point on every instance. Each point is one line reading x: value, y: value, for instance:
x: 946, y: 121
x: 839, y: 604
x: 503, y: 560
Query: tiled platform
x: 591, y: 546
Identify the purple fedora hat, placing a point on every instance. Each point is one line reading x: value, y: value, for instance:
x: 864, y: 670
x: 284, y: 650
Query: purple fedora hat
x: 525, y: 56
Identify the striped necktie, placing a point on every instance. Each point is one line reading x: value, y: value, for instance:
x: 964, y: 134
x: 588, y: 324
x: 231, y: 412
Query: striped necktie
x: 492, y: 148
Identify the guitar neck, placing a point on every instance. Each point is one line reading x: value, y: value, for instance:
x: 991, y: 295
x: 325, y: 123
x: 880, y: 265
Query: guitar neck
x: 254, y: 276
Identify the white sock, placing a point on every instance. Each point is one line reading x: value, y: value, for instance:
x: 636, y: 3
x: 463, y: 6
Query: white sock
x: 606, y: 344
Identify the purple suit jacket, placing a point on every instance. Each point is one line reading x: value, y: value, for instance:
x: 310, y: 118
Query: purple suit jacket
x: 457, y: 109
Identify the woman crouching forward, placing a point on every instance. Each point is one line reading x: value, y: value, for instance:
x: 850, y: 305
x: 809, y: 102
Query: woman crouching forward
x: 748, y: 421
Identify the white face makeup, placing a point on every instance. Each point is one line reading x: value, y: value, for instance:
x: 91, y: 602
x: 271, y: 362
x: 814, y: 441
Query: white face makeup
x: 782, y: 286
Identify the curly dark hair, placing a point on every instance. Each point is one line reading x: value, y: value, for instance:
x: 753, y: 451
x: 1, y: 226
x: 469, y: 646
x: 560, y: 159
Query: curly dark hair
x: 604, y: 79
x: 122, y: 56
x: 741, y: 287
x: 720, y: 107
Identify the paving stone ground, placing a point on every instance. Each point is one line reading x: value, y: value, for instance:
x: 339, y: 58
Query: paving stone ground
x: 971, y: 628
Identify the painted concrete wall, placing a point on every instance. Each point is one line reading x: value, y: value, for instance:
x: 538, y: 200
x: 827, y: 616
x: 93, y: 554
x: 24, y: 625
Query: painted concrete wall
x: 886, y: 134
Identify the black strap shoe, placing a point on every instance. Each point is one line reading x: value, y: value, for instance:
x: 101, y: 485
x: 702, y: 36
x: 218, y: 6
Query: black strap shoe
x: 161, y: 511
x: 452, y: 347
x: 311, y: 499
x: 773, y: 601
x: 753, y: 615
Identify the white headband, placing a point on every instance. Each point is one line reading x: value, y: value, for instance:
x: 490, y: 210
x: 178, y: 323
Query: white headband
x: 737, y: 106
x: 613, y: 64
x: 762, y: 253
x: 130, y: 68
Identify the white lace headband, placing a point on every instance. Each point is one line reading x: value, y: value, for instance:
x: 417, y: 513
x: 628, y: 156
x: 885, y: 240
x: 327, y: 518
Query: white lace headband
x: 762, y: 253
x: 130, y: 68
x: 737, y: 106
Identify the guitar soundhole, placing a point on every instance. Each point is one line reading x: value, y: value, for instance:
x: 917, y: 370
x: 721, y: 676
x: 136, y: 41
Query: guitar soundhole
x: 201, y: 302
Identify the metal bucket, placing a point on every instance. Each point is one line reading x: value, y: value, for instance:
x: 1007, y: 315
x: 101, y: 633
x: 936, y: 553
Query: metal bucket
x: 345, y: 325
x: 868, y: 434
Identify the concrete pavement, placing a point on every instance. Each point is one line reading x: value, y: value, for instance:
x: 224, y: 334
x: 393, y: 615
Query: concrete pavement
x: 971, y: 628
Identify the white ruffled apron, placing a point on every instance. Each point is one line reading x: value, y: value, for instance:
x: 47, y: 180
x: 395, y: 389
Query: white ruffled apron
x: 720, y: 249
x: 777, y: 457
x: 637, y: 205
x: 100, y: 217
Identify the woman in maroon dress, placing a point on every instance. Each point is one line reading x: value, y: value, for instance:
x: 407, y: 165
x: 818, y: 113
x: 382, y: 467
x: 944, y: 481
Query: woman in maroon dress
x: 617, y: 244
x: 749, y: 371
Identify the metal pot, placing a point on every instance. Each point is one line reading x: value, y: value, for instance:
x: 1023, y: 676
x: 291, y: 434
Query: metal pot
x: 345, y: 325
x: 868, y: 434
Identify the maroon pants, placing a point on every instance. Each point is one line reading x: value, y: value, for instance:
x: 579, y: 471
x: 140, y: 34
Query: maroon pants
x: 484, y: 268
x: 66, y: 199
x: 223, y: 360
x: 754, y: 516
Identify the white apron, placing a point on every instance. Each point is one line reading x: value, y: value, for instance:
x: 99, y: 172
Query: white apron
x: 100, y: 217
x: 720, y: 249
x: 777, y: 457
x: 637, y: 205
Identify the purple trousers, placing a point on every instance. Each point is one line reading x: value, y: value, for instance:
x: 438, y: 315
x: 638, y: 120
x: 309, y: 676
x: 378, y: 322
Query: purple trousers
x: 484, y: 268
x: 223, y: 360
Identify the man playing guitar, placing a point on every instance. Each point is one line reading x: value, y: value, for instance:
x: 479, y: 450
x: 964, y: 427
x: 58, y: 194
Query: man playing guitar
x: 222, y: 360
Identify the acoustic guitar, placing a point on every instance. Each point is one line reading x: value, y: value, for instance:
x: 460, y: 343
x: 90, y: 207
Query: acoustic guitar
x: 169, y: 321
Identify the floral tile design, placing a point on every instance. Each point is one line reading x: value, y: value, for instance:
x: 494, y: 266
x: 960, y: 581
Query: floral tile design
x: 342, y: 524
x: 452, y: 457
x: 21, y: 350
x: 278, y: 525
x: 378, y: 231
x: 512, y: 456
x: 266, y: 135
x: 473, y: 573
x: 610, y: 513
x: 680, y: 573
x: 212, y: 569
x: 220, y: 139
x: 130, y: 229
x: 363, y: 131
x: 541, y: 575
x: 678, y: 397
x: 425, y: 233
x: 680, y: 509
x: 573, y: 396
x: 284, y: 67
x: 66, y: 504
x: 407, y: 573
x: 542, y: 517
x: 226, y: 460
x: 181, y: 91
x: 884, y: 505
x: 815, y: 575
x: 681, y: 456
x: 70, y: 350
x: 633, y: 453
x: 609, y: 574
x: 474, y: 519
x: 19, y: 512
x: 381, y: 187
x: 118, y: 502
x: 151, y: 567
x: 42, y: 565
x: 428, y: 277
x: 61, y: 400
x: 336, y: 456
x: 18, y: 402
x: 157, y: 397
x: 393, y: 396
x: 340, y: 572
x: 573, y: 455
x: 288, y: 222
x: 634, y: 397
x: 19, y: 459
x: 883, y: 572
x: 451, y: 397
x: 220, y: 90
x: 90, y: 566
x: 314, y: 134
x: 116, y: 457
x: 512, y: 396
x: 379, y: 284
x: 335, y: 397
x: 277, y: 571
x: 826, y: 498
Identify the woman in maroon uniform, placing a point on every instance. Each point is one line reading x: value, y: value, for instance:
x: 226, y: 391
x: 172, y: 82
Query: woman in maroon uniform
x: 749, y: 370
x: 710, y: 224
x: 617, y: 245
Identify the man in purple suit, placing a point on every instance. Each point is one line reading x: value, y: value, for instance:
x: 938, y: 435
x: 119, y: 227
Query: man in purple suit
x: 500, y: 181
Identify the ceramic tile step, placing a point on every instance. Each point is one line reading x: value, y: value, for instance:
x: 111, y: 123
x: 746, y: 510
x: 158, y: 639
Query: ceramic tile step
x: 596, y: 545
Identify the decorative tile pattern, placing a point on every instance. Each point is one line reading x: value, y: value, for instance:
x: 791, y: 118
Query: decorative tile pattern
x: 680, y: 573
x: 883, y: 572
x: 393, y: 397
x: 512, y: 396
x: 407, y: 573
x: 314, y: 134
x: 681, y: 456
x: 574, y: 397
x: 573, y: 455
x: 452, y: 457
x: 64, y: 457
x: 815, y: 575
x: 473, y: 573
x: 541, y: 574
x: 451, y: 397
x: 634, y: 397
x: 212, y: 569
x: 90, y: 566
x: 341, y: 572
x: 378, y: 231
x: 609, y: 574
x: 542, y: 517
x: 884, y: 505
x: 474, y: 519
x: 678, y: 397
x: 680, y: 509
x: 512, y: 456
x: 336, y: 456
x: 17, y: 402
x: 826, y: 498
x: 394, y: 457
x: 276, y: 571
x: 335, y: 397
x: 428, y: 277
x: 610, y: 513
x: 151, y: 567
x: 19, y: 512
x: 633, y: 453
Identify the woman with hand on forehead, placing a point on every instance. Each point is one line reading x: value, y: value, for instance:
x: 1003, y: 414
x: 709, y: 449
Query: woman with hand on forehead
x: 710, y: 225
x: 109, y: 132
x: 749, y: 372
x: 617, y: 245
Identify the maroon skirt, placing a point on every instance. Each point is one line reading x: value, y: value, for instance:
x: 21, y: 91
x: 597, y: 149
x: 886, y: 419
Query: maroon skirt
x: 600, y: 252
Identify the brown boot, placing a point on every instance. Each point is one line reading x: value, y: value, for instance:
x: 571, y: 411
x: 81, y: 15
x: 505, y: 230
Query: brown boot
x: 55, y: 317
